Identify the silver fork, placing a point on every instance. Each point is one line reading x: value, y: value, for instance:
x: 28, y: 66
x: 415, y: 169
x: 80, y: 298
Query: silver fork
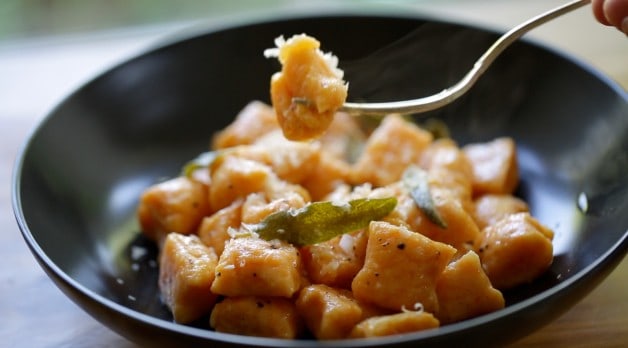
x: 452, y: 93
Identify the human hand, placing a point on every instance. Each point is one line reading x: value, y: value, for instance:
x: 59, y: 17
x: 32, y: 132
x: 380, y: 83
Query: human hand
x: 612, y: 13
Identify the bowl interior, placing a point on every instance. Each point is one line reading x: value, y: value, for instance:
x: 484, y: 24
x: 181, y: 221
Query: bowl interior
x: 81, y: 173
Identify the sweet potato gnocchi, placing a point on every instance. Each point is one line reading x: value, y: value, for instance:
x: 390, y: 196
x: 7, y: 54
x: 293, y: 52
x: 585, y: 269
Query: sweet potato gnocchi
x: 312, y: 76
x: 350, y: 234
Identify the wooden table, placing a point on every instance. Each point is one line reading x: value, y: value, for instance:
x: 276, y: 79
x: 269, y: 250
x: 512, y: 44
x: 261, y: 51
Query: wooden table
x: 35, y: 74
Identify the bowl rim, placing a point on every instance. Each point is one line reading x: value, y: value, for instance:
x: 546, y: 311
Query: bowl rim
x: 611, y: 256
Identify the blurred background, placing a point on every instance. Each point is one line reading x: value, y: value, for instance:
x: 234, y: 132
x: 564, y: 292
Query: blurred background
x: 28, y: 18
x: 21, y: 19
x: 48, y: 47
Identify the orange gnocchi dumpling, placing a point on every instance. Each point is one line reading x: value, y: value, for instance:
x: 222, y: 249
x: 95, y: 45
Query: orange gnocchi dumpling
x: 258, y: 206
x: 515, y: 250
x: 490, y: 208
x: 335, y: 262
x: 253, y: 121
x: 395, y: 324
x: 214, y: 229
x: 329, y: 313
x: 235, y: 178
x: 449, y: 170
x: 186, y: 274
x: 290, y: 160
x: 260, y: 316
x: 494, y: 166
x: 395, y: 144
x: 175, y: 205
x: 251, y: 266
x: 464, y: 291
x: 344, y: 138
x: 308, y: 74
x: 400, y: 268
x: 329, y: 174
x: 459, y: 230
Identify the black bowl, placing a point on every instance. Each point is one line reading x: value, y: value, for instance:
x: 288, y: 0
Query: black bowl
x: 79, y: 176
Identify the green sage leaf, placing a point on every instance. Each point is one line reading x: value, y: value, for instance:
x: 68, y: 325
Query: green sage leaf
x: 416, y: 181
x: 203, y: 160
x: 321, y: 221
x: 438, y: 128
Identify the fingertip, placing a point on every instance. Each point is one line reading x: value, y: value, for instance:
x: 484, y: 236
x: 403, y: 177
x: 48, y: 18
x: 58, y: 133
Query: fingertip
x: 598, y: 11
x: 616, y: 12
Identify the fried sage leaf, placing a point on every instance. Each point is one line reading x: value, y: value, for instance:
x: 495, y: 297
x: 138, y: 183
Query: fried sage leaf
x: 321, y: 221
x: 203, y: 160
x: 416, y: 181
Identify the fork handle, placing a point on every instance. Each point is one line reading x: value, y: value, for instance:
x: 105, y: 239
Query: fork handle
x: 481, y: 65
